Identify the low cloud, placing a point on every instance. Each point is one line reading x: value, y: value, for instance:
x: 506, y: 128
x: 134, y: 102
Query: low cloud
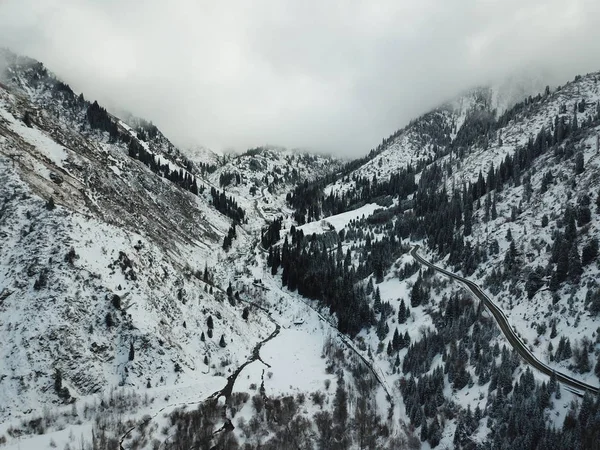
x: 334, y: 76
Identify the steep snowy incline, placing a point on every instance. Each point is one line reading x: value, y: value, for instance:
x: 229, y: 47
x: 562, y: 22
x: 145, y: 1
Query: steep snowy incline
x: 107, y: 269
x: 507, y: 330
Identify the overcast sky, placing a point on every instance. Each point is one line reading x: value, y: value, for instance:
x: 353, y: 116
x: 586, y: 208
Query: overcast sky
x: 333, y: 76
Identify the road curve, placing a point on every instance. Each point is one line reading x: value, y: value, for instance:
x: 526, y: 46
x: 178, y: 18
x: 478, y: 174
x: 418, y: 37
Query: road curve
x: 508, y: 332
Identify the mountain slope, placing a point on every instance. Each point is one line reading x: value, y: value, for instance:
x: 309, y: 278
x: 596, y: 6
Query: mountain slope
x: 108, y: 256
x: 509, y: 202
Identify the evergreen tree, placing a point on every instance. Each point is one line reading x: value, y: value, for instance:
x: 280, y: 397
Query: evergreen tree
x: 57, y: 381
x: 584, y: 215
x: 396, y: 340
x: 570, y: 226
x: 535, y: 281
x: 579, y: 162
x: 377, y: 300
x: 511, y: 260
x: 562, y: 264
x: 424, y: 431
x: 487, y: 205
x: 222, y: 342
x: 382, y: 328
x: 435, y: 433
x: 402, y: 312
x: 416, y: 294
x: 348, y: 264
x: 131, y: 351
x: 567, y: 353
x: 547, y: 179
x: 340, y: 414
x: 390, y: 350
x: 575, y: 268
x: 27, y: 119
x: 460, y: 433
x: 370, y: 286
x: 558, y: 356
x: 582, y: 359
x: 589, y: 252
x: 477, y: 415
x: 417, y: 416
x: 468, y: 212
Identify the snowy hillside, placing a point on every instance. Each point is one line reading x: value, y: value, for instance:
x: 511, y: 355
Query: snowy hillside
x: 109, y: 257
x: 535, y: 198
x: 203, y: 155
x: 424, y: 139
x: 262, y: 177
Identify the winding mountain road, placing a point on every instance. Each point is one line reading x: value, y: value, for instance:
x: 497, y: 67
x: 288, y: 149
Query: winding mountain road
x: 507, y: 330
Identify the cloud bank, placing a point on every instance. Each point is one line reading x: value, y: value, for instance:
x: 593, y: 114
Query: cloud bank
x: 333, y: 76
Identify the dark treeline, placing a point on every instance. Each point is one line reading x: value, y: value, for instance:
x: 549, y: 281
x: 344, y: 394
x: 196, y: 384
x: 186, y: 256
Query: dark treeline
x: 227, y: 205
x: 308, y: 266
x: 270, y: 233
x: 226, y: 178
x: 99, y: 119
x: 310, y: 203
x: 319, y: 269
x: 179, y: 177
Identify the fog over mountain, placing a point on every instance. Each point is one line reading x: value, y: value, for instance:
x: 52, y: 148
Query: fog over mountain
x: 330, y: 76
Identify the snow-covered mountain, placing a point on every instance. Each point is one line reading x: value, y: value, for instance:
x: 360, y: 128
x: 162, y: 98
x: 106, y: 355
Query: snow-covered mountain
x: 153, y: 297
x: 100, y: 254
x: 508, y: 200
